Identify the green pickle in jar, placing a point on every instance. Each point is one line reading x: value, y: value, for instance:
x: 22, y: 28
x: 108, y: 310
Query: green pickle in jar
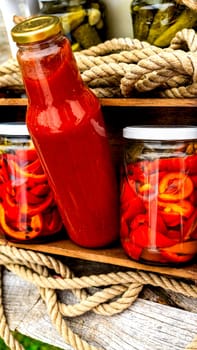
x: 158, y: 21
x: 158, y: 195
x: 83, y: 21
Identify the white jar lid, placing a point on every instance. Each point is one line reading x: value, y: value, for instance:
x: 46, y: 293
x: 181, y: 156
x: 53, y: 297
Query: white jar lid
x: 13, y: 129
x: 164, y: 133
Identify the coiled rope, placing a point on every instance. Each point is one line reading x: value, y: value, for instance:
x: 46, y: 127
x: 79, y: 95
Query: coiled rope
x: 119, y: 291
x: 127, y: 67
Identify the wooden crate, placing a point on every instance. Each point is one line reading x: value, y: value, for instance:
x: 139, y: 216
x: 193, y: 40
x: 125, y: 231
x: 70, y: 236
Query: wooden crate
x: 118, y: 113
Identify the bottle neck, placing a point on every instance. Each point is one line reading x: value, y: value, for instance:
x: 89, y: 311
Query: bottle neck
x: 49, y: 71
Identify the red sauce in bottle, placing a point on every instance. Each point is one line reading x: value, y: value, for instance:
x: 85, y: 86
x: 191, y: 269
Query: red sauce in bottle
x: 66, y: 124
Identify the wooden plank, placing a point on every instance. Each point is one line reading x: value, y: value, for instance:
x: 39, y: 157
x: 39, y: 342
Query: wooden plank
x: 148, y: 102
x: 13, y: 101
x: 121, y: 102
x: 145, y: 325
x: 113, y: 255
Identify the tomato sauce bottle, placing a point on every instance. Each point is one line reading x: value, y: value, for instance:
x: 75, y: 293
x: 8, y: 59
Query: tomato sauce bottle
x: 65, y: 122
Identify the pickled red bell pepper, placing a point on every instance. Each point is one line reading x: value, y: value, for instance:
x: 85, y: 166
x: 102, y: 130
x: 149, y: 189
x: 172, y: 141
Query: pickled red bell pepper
x: 190, y: 164
x: 51, y: 221
x: 190, y: 227
x: 141, y: 169
x: 172, y: 213
x: 32, y: 210
x: 26, y: 156
x: 143, y: 219
x: 142, y: 237
x: 133, y: 250
x: 182, y: 248
x: 17, y: 172
x: 175, y: 186
x: 131, y: 204
x: 35, y: 227
x: 176, y: 258
x: 27, y: 206
x: 174, y: 164
x: 164, y: 226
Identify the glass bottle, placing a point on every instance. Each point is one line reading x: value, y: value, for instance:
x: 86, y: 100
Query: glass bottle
x: 66, y: 124
x: 83, y: 21
x: 159, y: 194
x: 28, y: 212
x: 158, y: 21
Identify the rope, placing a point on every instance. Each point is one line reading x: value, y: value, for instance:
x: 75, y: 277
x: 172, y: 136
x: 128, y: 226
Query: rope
x: 4, y: 328
x: 193, y: 345
x: 117, y: 291
x: 126, y: 67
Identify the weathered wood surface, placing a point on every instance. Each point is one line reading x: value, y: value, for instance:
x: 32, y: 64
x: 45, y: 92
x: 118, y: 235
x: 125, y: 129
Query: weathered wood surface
x: 145, y: 325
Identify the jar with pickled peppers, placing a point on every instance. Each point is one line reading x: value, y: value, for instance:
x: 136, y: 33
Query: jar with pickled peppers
x: 159, y: 194
x: 83, y: 21
x: 158, y: 21
x: 28, y: 212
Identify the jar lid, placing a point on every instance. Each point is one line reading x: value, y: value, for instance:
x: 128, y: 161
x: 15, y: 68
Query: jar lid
x: 13, y: 129
x: 35, y: 29
x: 164, y: 133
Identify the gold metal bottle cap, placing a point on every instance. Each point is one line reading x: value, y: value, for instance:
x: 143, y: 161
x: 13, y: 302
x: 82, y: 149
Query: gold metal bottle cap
x: 36, y: 29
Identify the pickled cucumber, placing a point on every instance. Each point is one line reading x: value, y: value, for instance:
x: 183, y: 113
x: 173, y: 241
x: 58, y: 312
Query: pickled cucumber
x: 142, y: 19
x: 86, y: 36
x: 187, y: 19
x: 79, y: 20
x: 162, y: 20
x: 94, y: 16
x: 72, y: 20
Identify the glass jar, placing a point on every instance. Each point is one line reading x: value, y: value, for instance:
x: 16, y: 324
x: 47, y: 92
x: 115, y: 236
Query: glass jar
x: 159, y: 194
x: 157, y: 21
x: 28, y: 212
x: 83, y: 21
x: 67, y: 127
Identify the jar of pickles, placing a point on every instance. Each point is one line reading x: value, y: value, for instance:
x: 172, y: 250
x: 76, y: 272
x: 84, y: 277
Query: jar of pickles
x: 82, y: 20
x: 159, y: 194
x: 158, y: 21
x: 28, y: 212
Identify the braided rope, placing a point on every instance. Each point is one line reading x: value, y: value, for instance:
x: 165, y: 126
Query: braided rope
x: 125, y: 67
x: 49, y: 274
x: 4, y: 328
x: 193, y: 345
x: 113, y: 45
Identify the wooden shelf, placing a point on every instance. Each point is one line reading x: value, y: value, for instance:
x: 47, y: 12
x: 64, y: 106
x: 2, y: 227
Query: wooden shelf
x: 147, y: 102
x: 114, y: 256
x: 13, y: 101
x: 120, y: 102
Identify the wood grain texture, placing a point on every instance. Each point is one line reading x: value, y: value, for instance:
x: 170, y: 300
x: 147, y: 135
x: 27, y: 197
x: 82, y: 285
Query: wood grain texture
x: 145, y: 325
x: 121, y: 102
x: 113, y: 255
